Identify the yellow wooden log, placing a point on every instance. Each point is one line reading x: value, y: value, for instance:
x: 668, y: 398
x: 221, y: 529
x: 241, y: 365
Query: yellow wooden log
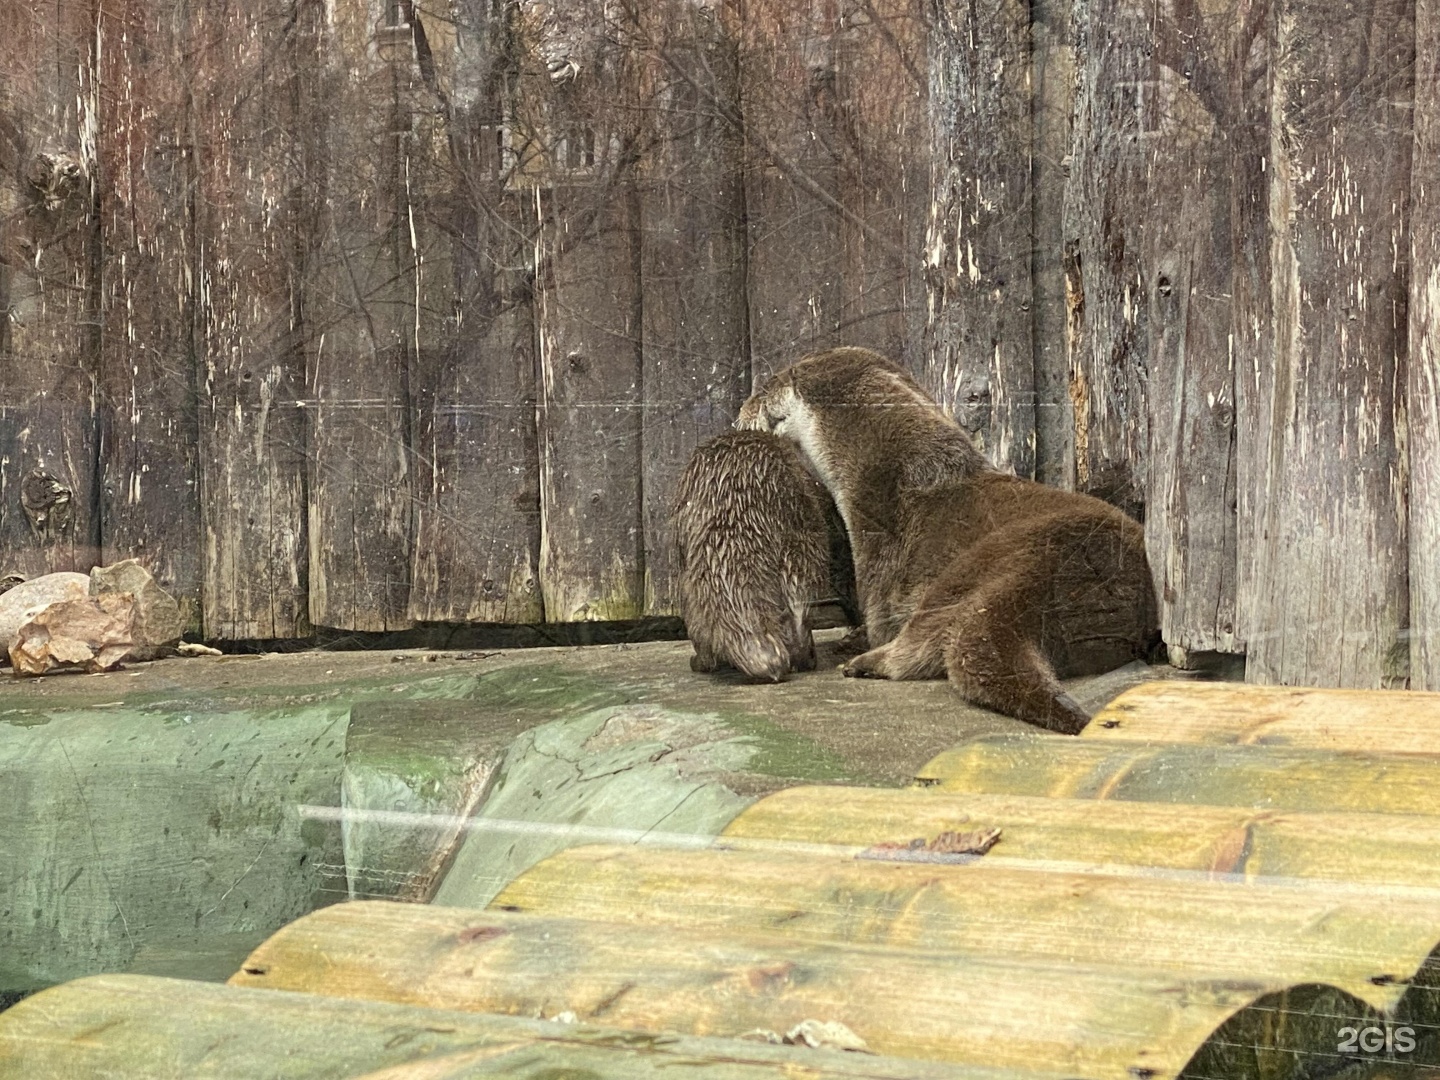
x: 1080, y: 833
x: 1272, y: 778
x: 942, y: 1006
x: 156, y: 1029
x: 1370, y: 721
x: 1369, y: 942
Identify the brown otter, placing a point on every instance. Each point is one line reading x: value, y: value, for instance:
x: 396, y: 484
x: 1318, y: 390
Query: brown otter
x: 756, y: 551
x: 1003, y: 584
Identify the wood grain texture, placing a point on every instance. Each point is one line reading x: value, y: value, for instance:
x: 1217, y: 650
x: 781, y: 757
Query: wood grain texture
x: 476, y: 552
x: 1099, y: 1021
x: 252, y: 213
x: 163, y: 1028
x: 150, y: 495
x: 49, y: 289
x: 1087, y: 835
x: 1332, y: 559
x: 588, y: 320
x: 696, y: 365
x: 363, y: 275
x: 1268, y: 777
x: 1363, y: 721
x: 1343, y: 936
x: 979, y: 361
x: 1105, y: 208
x: 1207, y: 86
x: 1423, y: 398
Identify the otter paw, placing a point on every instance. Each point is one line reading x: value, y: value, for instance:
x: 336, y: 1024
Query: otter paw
x: 866, y: 666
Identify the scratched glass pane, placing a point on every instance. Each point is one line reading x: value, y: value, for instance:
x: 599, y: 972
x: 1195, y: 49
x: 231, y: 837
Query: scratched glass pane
x: 727, y: 538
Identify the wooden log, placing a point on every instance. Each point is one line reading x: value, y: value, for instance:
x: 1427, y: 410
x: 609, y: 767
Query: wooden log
x: 150, y: 482
x: 363, y: 280
x: 1079, y: 834
x: 49, y: 289
x: 979, y: 363
x: 1364, y: 721
x: 252, y: 207
x: 692, y: 266
x: 476, y: 553
x: 1105, y: 206
x: 1100, y: 1022
x: 126, y: 1025
x: 793, y: 212
x: 1332, y: 554
x: 1423, y: 397
x: 1371, y: 943
x: 1261, y: 777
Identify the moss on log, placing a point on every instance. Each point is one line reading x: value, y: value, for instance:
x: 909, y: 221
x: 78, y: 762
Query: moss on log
x: 125, y: 1025
x: 1097, y: 1022
x: 1080, y: 833
x: 1370, y: 721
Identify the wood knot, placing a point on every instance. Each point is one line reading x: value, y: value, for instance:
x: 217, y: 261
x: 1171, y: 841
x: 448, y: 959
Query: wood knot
x: 48, y: 504
x: 480, y: 933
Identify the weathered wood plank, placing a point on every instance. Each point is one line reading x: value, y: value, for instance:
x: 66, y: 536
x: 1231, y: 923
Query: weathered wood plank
x: 1423, y: 399
x: 1106, y: 1022
x: 581, y: 154
x: 1369, y: 721
x: 1206, y: 90
x: 150, y: 495
x: 476, y: 553
x: 1091, y: 835
x: 884, y: 176
x: 252, y: 215
x: 979, y: 361
x: 792, y: 212
x: 361, y: 287
x: 1332, y: 560
x: 696, y: 365
x: 49, y: 288
x: 1270, y: 777
x: 1347, y: 936
x: 125, y: 1025
x: 1106, y: 202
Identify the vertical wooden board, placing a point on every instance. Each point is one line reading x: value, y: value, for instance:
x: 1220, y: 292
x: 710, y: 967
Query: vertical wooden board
x: 360, y: 320
x: 477, y: 490
x: 1250, y: 334
x: 252, y: 203
x: 884, y: 176
x: 1052, y: 58
x: 49, y: 280
x: 1190, y: 262
x: 1424, y: 385
x: 979, y: 361
x: 792, y: 157
x: 1106, y: 201
x: 1332, y: 558
x: 150, y: 496
x: 588, y: 316
x: 577, y: 141
x: 692, y: 268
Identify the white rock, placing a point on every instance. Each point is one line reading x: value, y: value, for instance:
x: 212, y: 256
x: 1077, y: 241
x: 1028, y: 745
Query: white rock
x: 29, y: 598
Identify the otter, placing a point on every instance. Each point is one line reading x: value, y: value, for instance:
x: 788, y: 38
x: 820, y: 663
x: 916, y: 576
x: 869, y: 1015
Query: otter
x: 1002, y: 584
x: 758, y: 546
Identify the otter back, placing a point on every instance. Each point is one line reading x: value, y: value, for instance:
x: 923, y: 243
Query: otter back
x: 750, y: 524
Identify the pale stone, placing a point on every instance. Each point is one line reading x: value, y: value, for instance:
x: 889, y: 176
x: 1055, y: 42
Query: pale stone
x: 92, y: 633
x: 157, y: 622
x: 18, y: 605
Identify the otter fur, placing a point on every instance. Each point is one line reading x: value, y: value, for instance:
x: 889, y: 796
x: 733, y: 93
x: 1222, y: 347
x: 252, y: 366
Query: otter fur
x: 1003, y: 584
x: 756, y: 549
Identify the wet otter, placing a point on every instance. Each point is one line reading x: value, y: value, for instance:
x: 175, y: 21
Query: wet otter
x: 755, y: 554
x: 1002, y: 584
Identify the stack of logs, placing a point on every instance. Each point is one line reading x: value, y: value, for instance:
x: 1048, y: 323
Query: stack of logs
x: 1214, y: 881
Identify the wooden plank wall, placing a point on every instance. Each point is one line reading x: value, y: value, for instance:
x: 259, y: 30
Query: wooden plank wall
x: 366, y: 314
